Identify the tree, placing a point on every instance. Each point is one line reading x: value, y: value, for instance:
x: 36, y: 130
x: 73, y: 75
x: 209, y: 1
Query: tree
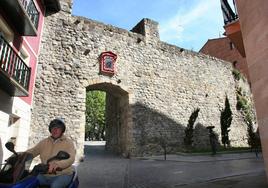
x: 246, y: 108
x: 95, y: 115
x: 188, y: 139
x: 226, y: 120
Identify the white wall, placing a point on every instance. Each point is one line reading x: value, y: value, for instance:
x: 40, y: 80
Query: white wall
x: 15, y: 124
x: 21, y: 127
x: 4, y: 118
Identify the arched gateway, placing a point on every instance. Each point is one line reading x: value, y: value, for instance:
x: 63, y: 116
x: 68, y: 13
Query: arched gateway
x: 118, y: 116
x: 152, y: 87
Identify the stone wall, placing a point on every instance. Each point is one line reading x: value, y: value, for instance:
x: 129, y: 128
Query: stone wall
x: 150, y: 98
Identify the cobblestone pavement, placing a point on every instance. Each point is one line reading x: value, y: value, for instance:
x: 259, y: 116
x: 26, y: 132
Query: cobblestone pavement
x: 102, y: 169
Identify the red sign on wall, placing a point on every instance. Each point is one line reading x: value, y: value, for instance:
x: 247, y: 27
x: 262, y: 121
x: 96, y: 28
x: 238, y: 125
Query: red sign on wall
x: 107, y: 63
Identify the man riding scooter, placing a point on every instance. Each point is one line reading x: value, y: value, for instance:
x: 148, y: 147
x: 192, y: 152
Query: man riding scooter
x: 60, y: 172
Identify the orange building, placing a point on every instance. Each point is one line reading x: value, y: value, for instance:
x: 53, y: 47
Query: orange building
x: 247, y: 27
x: 223, y: 48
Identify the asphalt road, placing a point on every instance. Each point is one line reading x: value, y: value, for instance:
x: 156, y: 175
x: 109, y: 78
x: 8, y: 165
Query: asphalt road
x: 102, y: 169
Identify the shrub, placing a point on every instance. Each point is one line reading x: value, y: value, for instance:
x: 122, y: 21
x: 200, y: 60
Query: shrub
x: 226, y: 120
x: 237, y: 75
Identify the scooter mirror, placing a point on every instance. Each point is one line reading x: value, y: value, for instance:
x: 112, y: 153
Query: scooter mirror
x: 10, y: 147
x: 62, y: 155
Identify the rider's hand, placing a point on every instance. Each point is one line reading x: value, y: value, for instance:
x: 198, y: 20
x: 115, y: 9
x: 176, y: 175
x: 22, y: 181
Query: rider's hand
x: 52, y: 167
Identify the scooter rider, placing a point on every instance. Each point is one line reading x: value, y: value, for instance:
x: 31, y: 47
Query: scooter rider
x: 49, y: 147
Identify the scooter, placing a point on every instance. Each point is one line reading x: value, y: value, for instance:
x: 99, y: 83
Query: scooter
x: 16, y: 173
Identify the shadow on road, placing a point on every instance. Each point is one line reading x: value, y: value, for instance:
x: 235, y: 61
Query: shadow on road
x: 101, y: 168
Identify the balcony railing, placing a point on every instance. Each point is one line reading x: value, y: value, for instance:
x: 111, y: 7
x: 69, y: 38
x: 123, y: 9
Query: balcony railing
x: 229, y: 13
x: 14, y: 69
x: 22, y: 14
x: 32, y: 11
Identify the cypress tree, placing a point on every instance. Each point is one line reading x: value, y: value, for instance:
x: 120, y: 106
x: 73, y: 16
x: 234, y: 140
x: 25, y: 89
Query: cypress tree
x: 226, y: 120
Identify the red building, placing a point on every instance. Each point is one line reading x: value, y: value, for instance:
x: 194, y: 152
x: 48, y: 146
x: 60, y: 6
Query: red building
x: 21, y: 23
x: 223, y: 48
x: 246, y: 25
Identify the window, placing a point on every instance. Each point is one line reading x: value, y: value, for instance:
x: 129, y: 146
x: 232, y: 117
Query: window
x: 13, y: 128
x: 235, y: 64
x: 5, y: 31
x: 231, y: 45
x: 24, y: 55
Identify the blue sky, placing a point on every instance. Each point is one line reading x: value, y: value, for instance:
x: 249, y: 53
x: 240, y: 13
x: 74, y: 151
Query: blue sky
x: 184, y: 23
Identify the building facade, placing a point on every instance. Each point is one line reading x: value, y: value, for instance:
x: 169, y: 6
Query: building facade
x: 21, y: 24
x: 223, y: 48
x: 247, y: 28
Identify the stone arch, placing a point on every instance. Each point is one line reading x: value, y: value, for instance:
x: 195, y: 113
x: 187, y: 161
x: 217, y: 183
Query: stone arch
x: 166, y: 83
x: 118, y: 115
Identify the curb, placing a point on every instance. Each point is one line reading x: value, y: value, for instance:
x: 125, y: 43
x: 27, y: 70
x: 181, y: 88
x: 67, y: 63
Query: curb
x: 202, y: 158
x: 259, y: 172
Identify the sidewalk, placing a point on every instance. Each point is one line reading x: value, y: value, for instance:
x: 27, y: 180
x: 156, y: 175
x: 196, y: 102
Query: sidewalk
x: 254, y: 178
x: 257, y: 180
x: 196, y: 158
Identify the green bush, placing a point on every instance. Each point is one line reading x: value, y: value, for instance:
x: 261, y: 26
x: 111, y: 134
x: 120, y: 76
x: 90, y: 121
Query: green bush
x: 242, y: 103
x: 246, y: 108
x: 237, y: 75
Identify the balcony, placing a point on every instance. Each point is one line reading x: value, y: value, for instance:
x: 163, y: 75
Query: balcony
x: 232, y: 25
x: 14, y: 73
x: 23, y: 14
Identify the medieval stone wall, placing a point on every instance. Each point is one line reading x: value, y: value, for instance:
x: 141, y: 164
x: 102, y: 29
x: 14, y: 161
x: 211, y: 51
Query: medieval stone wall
x: 157, y: 86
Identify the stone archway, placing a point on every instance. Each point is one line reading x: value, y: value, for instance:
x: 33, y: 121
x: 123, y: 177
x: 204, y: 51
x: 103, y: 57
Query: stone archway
x: 166, y: 84
x: 118, y: 117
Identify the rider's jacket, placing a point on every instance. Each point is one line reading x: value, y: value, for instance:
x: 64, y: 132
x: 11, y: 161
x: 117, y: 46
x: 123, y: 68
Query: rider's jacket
x: 49, y: 147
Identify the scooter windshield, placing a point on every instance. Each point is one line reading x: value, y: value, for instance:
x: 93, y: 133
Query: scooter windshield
x: 16, y: 168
